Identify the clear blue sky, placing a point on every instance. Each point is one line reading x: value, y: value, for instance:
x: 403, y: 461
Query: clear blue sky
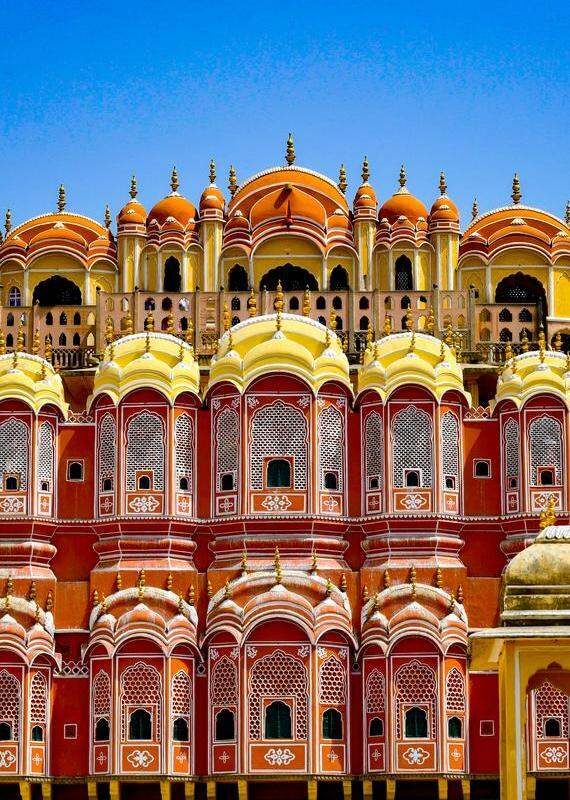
x: 92, y: 92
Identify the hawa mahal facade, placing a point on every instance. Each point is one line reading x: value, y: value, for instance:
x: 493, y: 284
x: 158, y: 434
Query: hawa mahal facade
x: 284, y: 497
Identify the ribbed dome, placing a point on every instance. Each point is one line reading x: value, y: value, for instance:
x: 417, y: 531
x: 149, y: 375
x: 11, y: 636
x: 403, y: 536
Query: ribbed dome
x: 403, y: 204
x: 175, y: 206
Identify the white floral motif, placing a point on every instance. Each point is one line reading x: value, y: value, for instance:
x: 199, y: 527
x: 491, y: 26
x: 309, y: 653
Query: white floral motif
x: 235, y: 653
x: 235, y: 403
x: 303, y: 401
x: 252, y: 402
x: 214, y: 654
x: 412, y: 501
x: 303, y: 651
x: 376, y: 754
x: 251, y: 652
x: 280, y: 757
x: 140, y: 758
x: 416, y: 755
x: 181, y: 757
x: 322, y: 652
x: 102, y: 757
x: 276, y: 502
x: 141, y: 505
x: 12, y: 505
x: 224, y: 757
x: 332, y: 756
x: 554, y: 755
x: 7, y: 758
x: 456, y: 754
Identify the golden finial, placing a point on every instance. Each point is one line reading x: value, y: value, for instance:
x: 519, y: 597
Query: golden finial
x: 314, y: 562
x: 412, y: 346
x: 37, y: 614
x: 342, y: 182
x: 209, y: 589
x: 430, y: 327
x: 403, y: 178
x: 290, y: 151
x: 180, y: 604
x: 107, y: 217
x: 36, y: 342
x: 61, y: 199
x: 232, y: 185
x: 474, y: 209
x: 32, y: 592
x: 169, y: 582
x: 49, y: 600
x: 226, y: 317
x: 548, y: 515
x: 387, y: 329
x: 451, y: 605
x: 329, y: 587
x: 541, y: 336
x: 227, y: 588
x: 170, y: 323
x: 516, y: 195
x: 212, y: 171
x: 20, y: 342
x: 8, y: 221
x: 557, y: 341
x: 332, y: 320
x: 365, y: 170
x: 343, y: 583
x: 15, y: 359
x: 119, y: 582
x: 2, y: 344
x: 109, y: 330
x: 103, y: 605
x: 9, y: 585
x: 174, y: 181
x: 128, y: 323
x: 442, y: 183
x: 438, y: 578
x: 134, y: 189
x: 448, y: 335
x: 190, y: 331
x: 252, y: 304
x: 244, y: 565
x: 412, y: 576
x: 365, y: 594
x: 508, y: 351
x: 387, y: 579
x: 524, y: 343
x: 149, y: 322
x: 192, y: 595
x: 141, y: 583
x: 460, y: 594
x: 567, y: 213
x: 8, y: 602
x: 180, y: 350
x: 48, y: 350
x: 112, y: 351
x: 278, y: 301
x: 277, y: 566
x: 306, y: 302
x: 369, y: 336
x: 409, y: 321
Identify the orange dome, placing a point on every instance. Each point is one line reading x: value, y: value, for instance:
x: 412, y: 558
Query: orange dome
x: 237, y: 221
x: 58, y: 231
x: 287, y: 202
x: 173, y: 205
x: 14, y: 241
x: 403, y: 204
x: 339, y: 220
x: 444, y: 209
x: 212, y: 198
x: 133, y: 213
x: 365, y: 197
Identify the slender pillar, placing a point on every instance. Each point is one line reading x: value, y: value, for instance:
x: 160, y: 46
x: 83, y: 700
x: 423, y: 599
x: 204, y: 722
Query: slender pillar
x: 311, y: 789
x: 442, y: 787
x: 242, y: 789
x: 530, y: 787
x: 347, y: 789
x: 46, y: 790
x: 466, y: 788
x: 211, y: 790
x: 189, y: 790
x: 390, y: 789
x: 114, y: 790
x: 366, y: 790
x: 165, y: 790
x: 92, y: 790
x: 25, y: 790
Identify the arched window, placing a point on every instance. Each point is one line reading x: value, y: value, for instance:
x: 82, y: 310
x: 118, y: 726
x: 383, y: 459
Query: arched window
x: 77, y: 318
x: 337, y: 303
x: 145, y: 450
x: 14, y: 455
x: 482, y: 468
x: 412, y: 453
x: 10, y: 699
x: 235, y: 320
x: 376, y: 727
x: 279, y: 429
x: 102, y: 730
x: 278, y: 720
x: 184, y: 448
x: 5, y: 732
x: 412, y: 477
x: 144, y: 482
x: 332, y: 724
x: 75, y: 471
x: 107, y: 454
x: 63, y: 318
x: 149, y: 304
x: 450, y: 450
x: 62, y: 340
x: 236, y: 304
x: 38, y: 705
x: 237, y: 279
x: 278, y: 473
x: 339, y: 279
x: 45, y: 455
x: 140, y: 725
x: 551, y: 715
x: 506, y: 335
x: 49, y: 318
x: 331, y: 481
x: 14, y: 297
x: 364, y: 303
x: 76, y: 340
x: 552, y: 728
x: 57, y: 291
x: 37, y: 733
x: 330, y: 428
x: 512, y: 453
x: 454, y: 728
x: 9, y: 340
x: 338, y: 323
x: 294, y: 304
x: 545, y: 438
x: 180, y: 730
x: 404, y: 280
x: 525, y: 315
x: 505, y: 315
x: 225, y: 726
x: 183, y: 484
x: 321, y: 303
x: 416, y: 724
x: 227, y: 449
x: 172, y: 277
x: 10, y: 320
x: 374, y: 443
x: 405, y: 302
x: 364, y: 323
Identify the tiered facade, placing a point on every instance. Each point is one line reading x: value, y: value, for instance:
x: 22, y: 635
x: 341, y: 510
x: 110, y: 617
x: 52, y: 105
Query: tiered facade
x: 271, y: 477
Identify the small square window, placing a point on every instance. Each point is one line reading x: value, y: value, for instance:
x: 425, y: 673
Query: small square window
x: 449, y: 481
x: 70, y: 731
x: 227, y: 482
x: 481, y: 468
x: 513, y: 483
x: 546, y: 476
x: 487, y: 727
x: 75, y: 470
x: 412, y: 477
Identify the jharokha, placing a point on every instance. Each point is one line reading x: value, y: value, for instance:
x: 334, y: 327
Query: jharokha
x: 284, y: 497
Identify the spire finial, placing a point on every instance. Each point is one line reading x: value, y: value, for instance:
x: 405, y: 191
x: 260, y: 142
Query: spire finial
x: 342, y: 182
x: 474, y: 209
x: 403, y: 179
x: 277, y: 566
x: 212, y: 171
x: 174, y: 182
x: 442, y: 183
x: 365, y: 170
x: 567, y: 213
x: 232, y: 185
x: 107, y: 216
x: 516, y: 195
x: 8, y: 221
x: 61, y: 199
x: 133, y: 191
x: 290, y: 152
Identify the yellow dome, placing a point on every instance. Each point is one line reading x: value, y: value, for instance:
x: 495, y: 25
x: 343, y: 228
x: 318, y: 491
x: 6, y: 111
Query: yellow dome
x: 33, y: 380
x: 301, y: 347
x: 411, y: 358
x: 529, y: 374
x: 537, y: 580
x: 147, y: 360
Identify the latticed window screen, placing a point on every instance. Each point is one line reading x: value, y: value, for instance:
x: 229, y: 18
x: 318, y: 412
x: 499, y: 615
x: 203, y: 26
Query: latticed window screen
x: 374, y: 444
x: 278, y: 430
x: 107, y: 449
x: 375, y: 693
x: 412, y: 445
x: 224, y: 683
x: 14, y: 451
x: 101, y: 696
x: 140, y: 688
x: 45, y: 453
x: 274, y: 676
x: 455, y: 691
x: 184, y: 447
x: 416, y: 683
x: 545, y: 439
x: 10, y: 699
x: 450, y: 447
x: 227, y: 444
x: 512, y: 448
x: 331, y: 443
x: 332, y: 682
x: 38, y: 698
x: 145, y: 449
x: 551, y: 702
x: 181, y: 694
